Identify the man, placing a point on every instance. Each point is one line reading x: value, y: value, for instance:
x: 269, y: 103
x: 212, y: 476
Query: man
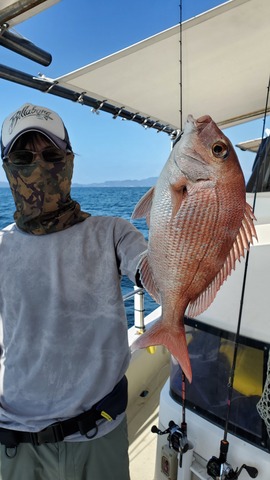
x: 64, y: 349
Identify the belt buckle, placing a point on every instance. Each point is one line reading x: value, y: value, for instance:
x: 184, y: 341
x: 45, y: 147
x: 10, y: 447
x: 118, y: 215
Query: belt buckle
x: 51, y: 434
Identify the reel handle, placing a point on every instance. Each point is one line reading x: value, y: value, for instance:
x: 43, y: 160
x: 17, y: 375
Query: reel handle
x: 252, y: 471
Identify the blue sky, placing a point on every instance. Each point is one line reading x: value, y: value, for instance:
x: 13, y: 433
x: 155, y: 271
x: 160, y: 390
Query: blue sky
x: 77, y: 33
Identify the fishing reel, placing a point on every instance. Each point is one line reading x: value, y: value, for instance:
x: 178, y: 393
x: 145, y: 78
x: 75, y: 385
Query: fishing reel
x: 218, y: 468
x: 177, y: 437
x: 224, y: 471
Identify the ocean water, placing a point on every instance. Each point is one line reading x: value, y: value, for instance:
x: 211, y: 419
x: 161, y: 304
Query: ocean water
x: 118, y: 202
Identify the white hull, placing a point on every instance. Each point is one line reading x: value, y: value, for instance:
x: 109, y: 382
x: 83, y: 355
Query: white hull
x: 206, y: 439
x: 148, y: 373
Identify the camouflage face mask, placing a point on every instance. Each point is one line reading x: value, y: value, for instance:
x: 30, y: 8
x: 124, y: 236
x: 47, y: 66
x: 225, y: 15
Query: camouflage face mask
x: 41, y: 192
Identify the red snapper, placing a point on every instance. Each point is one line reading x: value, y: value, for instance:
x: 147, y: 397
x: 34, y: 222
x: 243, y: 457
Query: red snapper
x: 199, y: 225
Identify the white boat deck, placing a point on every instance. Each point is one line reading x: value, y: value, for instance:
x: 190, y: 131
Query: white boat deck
x: 142, y: 412
x: 142, y: 450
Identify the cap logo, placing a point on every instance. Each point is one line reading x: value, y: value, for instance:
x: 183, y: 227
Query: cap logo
x: 28, y: 111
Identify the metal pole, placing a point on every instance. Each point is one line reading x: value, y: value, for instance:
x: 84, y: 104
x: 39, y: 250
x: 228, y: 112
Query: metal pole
x: 17, y: 8
x: 139, y: 310
x: 51, y: 86
x: 24, y: 47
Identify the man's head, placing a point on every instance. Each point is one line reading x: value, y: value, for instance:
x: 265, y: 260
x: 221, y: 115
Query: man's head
x: 32, y: 118
x: 38, y: 162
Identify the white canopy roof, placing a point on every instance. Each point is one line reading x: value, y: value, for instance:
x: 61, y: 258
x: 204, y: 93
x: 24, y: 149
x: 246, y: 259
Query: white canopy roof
x: 14, y: 11
x: 225, y: 68
x: 250, y: 145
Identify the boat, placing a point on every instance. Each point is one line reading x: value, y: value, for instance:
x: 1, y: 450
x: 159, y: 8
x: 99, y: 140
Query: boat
x: 212, y: 427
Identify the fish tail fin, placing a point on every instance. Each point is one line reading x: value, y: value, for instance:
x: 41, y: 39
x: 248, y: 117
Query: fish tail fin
x: 173, y: 340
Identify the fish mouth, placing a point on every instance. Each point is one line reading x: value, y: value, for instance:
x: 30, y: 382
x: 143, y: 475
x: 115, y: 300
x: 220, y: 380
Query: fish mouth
x: 193, y: 157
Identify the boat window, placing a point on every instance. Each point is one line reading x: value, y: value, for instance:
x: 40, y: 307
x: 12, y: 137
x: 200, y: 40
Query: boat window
x: 211, y: 353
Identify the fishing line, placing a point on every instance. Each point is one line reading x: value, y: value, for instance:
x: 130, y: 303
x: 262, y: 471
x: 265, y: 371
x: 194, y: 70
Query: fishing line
x: 260, y: 152
x: 237, y: 335
x: 183, y: 393
x: 180, y: 67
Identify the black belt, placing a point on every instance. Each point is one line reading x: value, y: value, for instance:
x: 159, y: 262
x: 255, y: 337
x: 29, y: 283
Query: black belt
x: 109, y: 407
x: 56, y: 432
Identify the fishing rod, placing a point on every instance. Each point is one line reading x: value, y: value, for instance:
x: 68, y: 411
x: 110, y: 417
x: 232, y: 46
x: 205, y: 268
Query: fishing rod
x: 231, y: 381
x: 181, y: 66
x: 260, y: 149
x: 183, y: 423
x: 177, y: 435
x: 218, y: 468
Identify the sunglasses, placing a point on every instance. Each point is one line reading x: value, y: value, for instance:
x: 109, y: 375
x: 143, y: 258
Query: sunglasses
x: 27, y: 157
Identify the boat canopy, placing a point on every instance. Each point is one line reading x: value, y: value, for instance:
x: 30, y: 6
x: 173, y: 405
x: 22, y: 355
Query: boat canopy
x: 13, y: 12
x: 225, y: 69
x: 250, y: 145
x: 225, y: 72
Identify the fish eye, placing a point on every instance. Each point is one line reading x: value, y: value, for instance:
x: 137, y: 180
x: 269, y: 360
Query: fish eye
x: 220, y: 150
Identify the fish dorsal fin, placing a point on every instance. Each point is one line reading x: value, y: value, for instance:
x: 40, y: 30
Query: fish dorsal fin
x: 242, y: 242
x: 147, y: 279
x: 144, y: 205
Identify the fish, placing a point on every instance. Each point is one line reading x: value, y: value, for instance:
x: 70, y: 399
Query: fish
x: 199, y: 226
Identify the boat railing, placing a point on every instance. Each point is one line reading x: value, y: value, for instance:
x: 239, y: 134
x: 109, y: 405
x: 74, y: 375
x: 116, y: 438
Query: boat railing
x: 138, y: 294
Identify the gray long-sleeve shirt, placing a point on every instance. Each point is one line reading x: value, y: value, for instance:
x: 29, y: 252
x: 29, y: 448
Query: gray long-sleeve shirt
x: 64, y: 329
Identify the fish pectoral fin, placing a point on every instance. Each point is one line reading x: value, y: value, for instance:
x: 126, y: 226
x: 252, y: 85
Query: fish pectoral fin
x: 242, y: 242
x: 144, y: 205
x: 147, y: 279
x: 178, y: 193
x: 173, y: 340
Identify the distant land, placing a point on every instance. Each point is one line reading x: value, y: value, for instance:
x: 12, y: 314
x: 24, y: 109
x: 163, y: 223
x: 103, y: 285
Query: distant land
x: 146, y: 182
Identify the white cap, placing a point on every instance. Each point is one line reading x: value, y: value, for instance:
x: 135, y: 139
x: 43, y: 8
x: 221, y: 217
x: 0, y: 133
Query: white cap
x: 30, y: 118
